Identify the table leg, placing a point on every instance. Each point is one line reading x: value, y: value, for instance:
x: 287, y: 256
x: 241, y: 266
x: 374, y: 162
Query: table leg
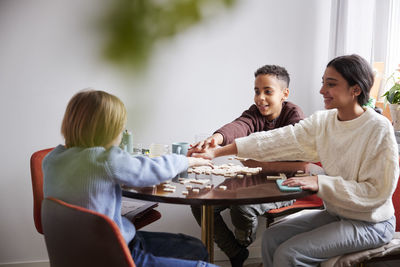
x: 207, y: 229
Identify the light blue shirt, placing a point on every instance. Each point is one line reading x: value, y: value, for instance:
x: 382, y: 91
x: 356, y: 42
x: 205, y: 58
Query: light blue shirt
x: 92, y: 178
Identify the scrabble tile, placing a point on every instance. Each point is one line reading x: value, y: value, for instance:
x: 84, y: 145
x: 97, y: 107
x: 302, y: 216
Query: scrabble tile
x: 167, y: 189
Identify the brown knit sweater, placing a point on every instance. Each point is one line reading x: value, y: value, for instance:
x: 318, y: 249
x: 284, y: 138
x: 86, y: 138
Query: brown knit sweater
x: 253, y: 121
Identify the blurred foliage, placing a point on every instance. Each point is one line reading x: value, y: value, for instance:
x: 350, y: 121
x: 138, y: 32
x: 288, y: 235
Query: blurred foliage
x: 133, y: 27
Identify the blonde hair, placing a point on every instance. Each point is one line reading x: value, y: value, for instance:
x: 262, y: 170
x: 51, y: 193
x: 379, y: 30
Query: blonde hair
x: 93, y: 118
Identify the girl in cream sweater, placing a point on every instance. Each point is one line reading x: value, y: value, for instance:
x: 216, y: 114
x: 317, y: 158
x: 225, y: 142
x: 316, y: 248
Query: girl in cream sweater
x: 359, y: 154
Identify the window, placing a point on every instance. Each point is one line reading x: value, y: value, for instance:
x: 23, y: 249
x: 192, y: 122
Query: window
x: 370, y: 28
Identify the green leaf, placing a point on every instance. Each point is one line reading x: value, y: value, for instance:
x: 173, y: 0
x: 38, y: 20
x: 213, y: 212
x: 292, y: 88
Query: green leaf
x: 132, y: 28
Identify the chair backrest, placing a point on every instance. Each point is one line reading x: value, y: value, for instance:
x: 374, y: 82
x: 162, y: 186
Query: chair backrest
x: 77, y: 237
x: 396, y: 204
x: 37, y: 185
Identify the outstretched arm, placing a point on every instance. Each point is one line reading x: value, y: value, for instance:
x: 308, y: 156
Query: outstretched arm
x: 211, y: 142
x: 211, y: 153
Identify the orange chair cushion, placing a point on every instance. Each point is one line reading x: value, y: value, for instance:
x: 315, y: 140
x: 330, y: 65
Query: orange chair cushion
x: 312, y: 201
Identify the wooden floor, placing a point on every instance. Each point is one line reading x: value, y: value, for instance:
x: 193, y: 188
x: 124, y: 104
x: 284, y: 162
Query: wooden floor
x: 253, y: 262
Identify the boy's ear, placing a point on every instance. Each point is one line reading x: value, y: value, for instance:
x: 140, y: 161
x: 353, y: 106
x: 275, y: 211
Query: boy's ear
x: 285, y: 92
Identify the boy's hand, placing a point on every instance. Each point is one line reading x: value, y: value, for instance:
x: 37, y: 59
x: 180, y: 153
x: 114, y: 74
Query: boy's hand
x: 199, y: 162
x: 211, y: 142
x: 208, y: 153
x: 305, y: 183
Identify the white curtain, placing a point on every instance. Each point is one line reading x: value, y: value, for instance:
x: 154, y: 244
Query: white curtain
x: 370, y: 28
x: 352, y: 28
x: 393, y: 42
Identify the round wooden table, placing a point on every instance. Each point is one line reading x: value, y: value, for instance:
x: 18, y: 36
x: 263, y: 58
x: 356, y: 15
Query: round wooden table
x: 252, y: 189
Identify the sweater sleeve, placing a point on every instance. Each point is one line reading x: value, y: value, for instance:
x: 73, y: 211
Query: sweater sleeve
x: 292, y: 142
x: 375, y: 181
x: 143, y: 171
x: 291, y: 114
x: 246, y: 124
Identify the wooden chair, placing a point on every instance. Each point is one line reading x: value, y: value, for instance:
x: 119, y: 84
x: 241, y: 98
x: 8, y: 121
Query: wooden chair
x: 79, y: 237
x: 146, y: 218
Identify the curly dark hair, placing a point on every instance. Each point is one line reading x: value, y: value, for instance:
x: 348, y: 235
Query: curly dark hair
x: 279, y: 72
x: 355, y: 70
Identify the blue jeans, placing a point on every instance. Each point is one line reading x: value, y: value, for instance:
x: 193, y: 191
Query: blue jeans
x: 314, y: 237
x: 165, y: 250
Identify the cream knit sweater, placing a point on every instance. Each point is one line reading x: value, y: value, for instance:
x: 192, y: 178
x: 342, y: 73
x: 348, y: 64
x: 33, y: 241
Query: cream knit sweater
x: 359, y: 157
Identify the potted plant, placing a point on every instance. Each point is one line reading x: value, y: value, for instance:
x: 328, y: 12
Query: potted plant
x: 392, y: 96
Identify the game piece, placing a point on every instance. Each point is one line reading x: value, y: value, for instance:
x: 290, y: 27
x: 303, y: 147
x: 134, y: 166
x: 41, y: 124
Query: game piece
x: 240, y: 176
x: 196, y: 190
x: 189, y: 187
x: 208, y: 186
x: 273, y: 177
x: 169, y: 186
x: 184, y: 192
x: 301, y: 175
x: 227, y: 170
x: 223, y: 187
x: 200, y: 181
x: 167, y: 189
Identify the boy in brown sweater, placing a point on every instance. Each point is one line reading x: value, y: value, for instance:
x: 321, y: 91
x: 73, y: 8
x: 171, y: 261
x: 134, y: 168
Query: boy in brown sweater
x: 269, y: 111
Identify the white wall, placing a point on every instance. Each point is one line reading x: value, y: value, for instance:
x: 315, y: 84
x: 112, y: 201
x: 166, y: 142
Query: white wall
x: 194, y: 83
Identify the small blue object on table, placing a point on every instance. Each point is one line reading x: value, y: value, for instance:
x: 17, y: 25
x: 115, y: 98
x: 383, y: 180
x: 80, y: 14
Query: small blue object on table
x: 285, y: 188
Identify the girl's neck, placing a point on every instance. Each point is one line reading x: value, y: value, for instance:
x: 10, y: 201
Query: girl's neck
x: 350, y: 113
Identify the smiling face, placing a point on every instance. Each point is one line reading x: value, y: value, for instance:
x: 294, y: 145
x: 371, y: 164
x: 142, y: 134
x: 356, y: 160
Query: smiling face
x: 336, y: 91
x: 269, y: 93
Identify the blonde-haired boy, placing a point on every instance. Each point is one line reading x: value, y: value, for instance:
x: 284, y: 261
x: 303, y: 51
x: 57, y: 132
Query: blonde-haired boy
x: 90, y: 169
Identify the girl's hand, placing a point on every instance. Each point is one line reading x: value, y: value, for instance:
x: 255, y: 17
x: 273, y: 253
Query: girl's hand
x: 199, y: 162
x: 305, y: 183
